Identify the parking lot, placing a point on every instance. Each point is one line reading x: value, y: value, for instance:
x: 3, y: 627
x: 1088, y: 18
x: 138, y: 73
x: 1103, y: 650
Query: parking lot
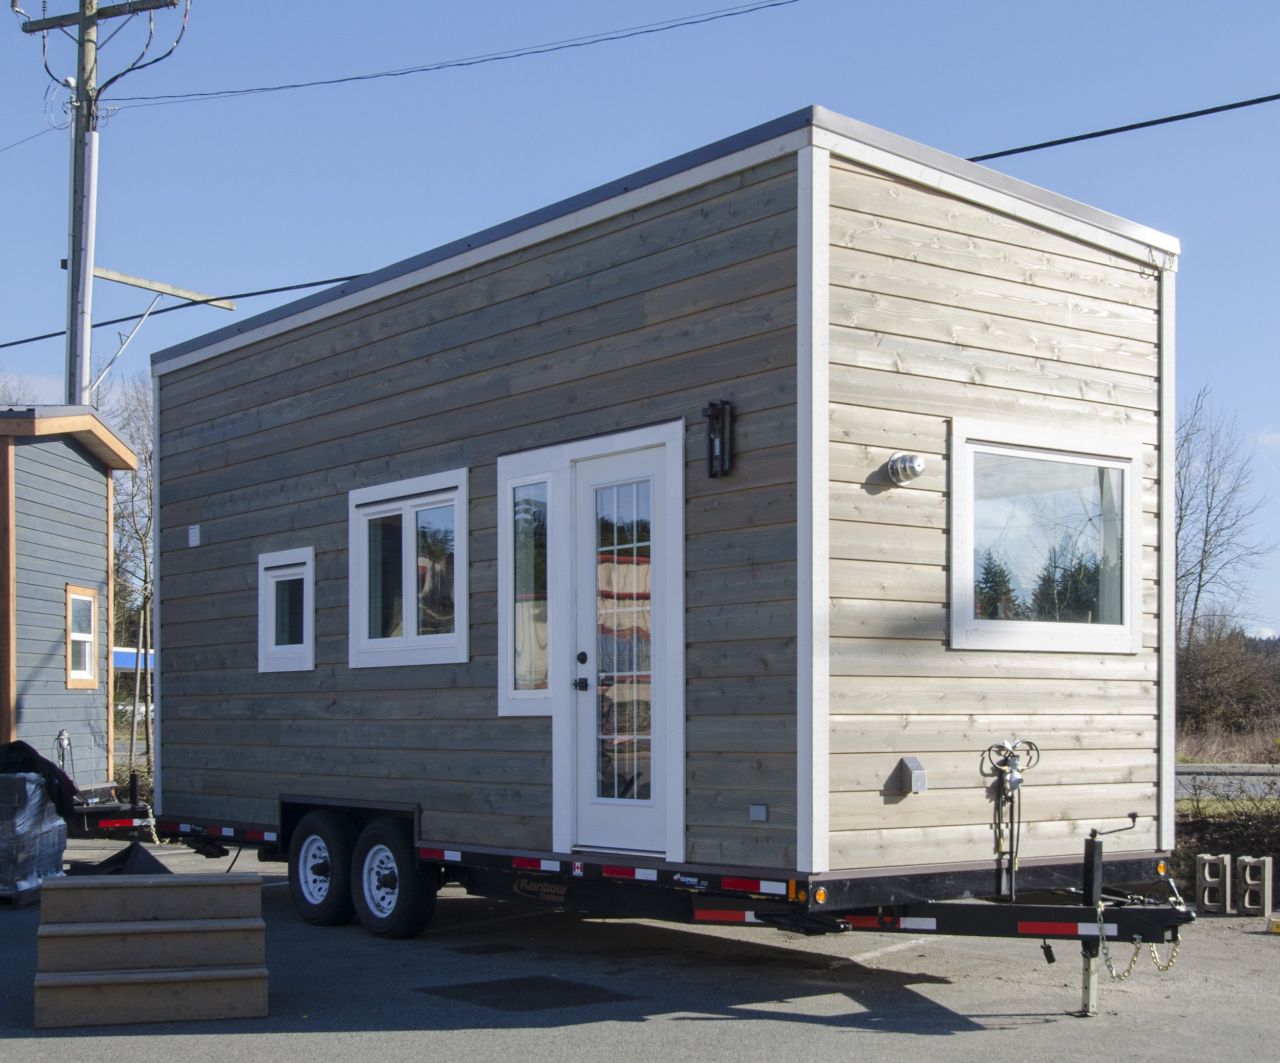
x: 491, y: 981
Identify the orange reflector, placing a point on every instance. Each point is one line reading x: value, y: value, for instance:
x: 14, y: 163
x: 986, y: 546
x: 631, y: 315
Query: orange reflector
x: 1162, y: 868
x: 820, y: 895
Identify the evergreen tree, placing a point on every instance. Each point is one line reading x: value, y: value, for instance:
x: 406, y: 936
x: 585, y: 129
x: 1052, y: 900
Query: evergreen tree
x: 993, y: 595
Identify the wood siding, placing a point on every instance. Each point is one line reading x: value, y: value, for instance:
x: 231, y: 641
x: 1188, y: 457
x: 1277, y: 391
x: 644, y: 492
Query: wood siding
x: 62, y: 531
x: 638, y: 319
x: 942, y: 309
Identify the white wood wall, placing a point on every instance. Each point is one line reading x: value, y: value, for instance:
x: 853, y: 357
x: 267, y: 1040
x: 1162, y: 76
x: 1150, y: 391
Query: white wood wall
x: 939, y: 309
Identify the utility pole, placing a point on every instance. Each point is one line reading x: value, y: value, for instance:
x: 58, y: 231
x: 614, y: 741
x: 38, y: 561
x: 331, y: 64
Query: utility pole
x: 84, y: 181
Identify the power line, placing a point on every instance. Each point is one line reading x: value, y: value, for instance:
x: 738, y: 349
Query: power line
x: 184, y: 306
x: 24, y: 140
x: 1127, y: 128
x: 475, y: 60
x: 973, y: 158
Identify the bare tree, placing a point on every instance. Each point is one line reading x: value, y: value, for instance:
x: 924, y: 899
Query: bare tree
x: 1216, y: 516
x: 14, y: 391
x: 128, y: 408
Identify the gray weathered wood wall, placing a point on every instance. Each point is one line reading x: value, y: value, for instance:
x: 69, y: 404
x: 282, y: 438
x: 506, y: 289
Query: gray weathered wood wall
x: 941, y: 309
x: 638, y: 319
x: 62, y: 527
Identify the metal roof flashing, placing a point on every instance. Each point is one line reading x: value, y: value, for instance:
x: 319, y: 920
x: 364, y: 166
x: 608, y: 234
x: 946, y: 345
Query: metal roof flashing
x: 854, y: 140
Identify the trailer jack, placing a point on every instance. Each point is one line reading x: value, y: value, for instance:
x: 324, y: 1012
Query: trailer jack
x: 1097, y: 922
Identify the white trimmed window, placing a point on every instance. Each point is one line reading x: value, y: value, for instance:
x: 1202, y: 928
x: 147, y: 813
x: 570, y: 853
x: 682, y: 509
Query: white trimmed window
x: 286, y: 611
x: 408, y: 571
x: 82, y: 638
x: 1045, y: 550
x: 533, y: 575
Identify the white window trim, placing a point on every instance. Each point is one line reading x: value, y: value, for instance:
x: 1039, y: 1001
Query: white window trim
x: 554, y: 466
x: 445, y: 488
x: 86, y: 678
x: 1117, y: 451
x: 518, y: 470
x: 272, y: 568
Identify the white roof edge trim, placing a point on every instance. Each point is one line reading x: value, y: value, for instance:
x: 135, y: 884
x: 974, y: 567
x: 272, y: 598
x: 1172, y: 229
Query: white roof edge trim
x: 787, y: 144
x: 1046, y: 210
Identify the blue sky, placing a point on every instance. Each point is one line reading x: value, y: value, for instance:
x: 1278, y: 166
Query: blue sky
x: 267, y: 190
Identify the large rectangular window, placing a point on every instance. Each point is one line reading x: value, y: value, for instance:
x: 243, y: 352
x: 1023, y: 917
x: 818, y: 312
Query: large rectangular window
x: 82, y: 638
x: 1044, y: 543
x: 408, y: 565
x: 286, y: 611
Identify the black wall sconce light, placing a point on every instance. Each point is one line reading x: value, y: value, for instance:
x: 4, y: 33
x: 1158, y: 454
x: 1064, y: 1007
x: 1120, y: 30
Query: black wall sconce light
x: 719, y: 417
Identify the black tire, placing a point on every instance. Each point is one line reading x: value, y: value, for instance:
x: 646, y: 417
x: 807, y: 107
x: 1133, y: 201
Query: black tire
x: 320, y: 867
x: 394, y: 897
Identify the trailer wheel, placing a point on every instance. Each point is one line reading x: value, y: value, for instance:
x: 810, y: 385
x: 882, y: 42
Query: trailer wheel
x: 394, y: 897
x: 319, y: 859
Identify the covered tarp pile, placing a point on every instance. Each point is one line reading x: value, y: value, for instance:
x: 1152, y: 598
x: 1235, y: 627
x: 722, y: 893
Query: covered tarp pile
x: 35, y: 799
x: 33, y: 836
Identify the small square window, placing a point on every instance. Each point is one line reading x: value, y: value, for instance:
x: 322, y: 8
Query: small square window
x: 408, y: 565
x: 1045, y: 553
x: 286, y: 611
x: 82, y: 638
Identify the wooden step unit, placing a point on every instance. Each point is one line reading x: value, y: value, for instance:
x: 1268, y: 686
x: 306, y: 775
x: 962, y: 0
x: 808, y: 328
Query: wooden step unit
x: 150, y: 948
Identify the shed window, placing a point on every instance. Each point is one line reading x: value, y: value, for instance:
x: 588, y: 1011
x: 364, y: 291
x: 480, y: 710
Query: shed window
x: 1044, y: 549
x: 408, y: 593
x: 286, y: 611
x: 82, y: 638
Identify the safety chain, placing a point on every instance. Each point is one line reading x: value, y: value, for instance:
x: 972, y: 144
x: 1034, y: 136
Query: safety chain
x: 1163, y: 968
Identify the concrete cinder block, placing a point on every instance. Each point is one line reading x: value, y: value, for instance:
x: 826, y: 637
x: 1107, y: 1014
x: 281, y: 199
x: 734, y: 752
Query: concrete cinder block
x: 1253, y: 885
x: 1213, y: 884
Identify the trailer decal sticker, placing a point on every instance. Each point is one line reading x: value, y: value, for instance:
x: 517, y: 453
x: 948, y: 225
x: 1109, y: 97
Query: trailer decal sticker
x: 539, y: 889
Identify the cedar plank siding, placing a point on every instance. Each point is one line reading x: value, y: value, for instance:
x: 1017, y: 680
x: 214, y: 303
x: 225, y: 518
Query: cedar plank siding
x: 638, y: 319
x: 942, y: 309
x: 61, y: 527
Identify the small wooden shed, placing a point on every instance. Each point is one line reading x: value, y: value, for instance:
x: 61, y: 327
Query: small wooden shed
x: 744, y: 503
x: 56, y: 535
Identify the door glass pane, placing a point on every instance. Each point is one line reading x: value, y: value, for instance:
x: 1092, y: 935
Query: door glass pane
x: 529, y: 579
x: 1048, y: 540
x: 435, y: 570
x: 289, y: 611
x: 624, y: 735
x: 386, y: 606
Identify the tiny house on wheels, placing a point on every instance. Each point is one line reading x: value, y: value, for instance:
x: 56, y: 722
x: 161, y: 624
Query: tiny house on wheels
x: 56, y: 529
x: 774, y: 534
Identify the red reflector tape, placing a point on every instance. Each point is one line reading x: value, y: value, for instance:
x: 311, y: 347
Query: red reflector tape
x: 440, y: 854
x: 527, y: 862
x: 1071, y: 930
x: 754, y: 885
x: 872, y: 922
x: 639, y: 874
x: 720, y: 915
x: 119, y: 823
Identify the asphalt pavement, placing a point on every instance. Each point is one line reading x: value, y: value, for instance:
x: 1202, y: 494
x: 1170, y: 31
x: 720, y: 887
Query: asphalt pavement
x: 498, y: 981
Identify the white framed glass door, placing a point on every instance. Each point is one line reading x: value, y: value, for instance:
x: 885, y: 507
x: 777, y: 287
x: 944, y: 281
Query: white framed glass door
x: 622, y: 712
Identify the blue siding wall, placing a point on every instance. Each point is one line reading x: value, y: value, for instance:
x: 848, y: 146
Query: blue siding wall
x: 60, y: 514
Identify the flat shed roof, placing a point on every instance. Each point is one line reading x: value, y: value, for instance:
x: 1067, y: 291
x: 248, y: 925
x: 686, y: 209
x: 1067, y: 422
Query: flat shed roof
x: 815, y: 117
